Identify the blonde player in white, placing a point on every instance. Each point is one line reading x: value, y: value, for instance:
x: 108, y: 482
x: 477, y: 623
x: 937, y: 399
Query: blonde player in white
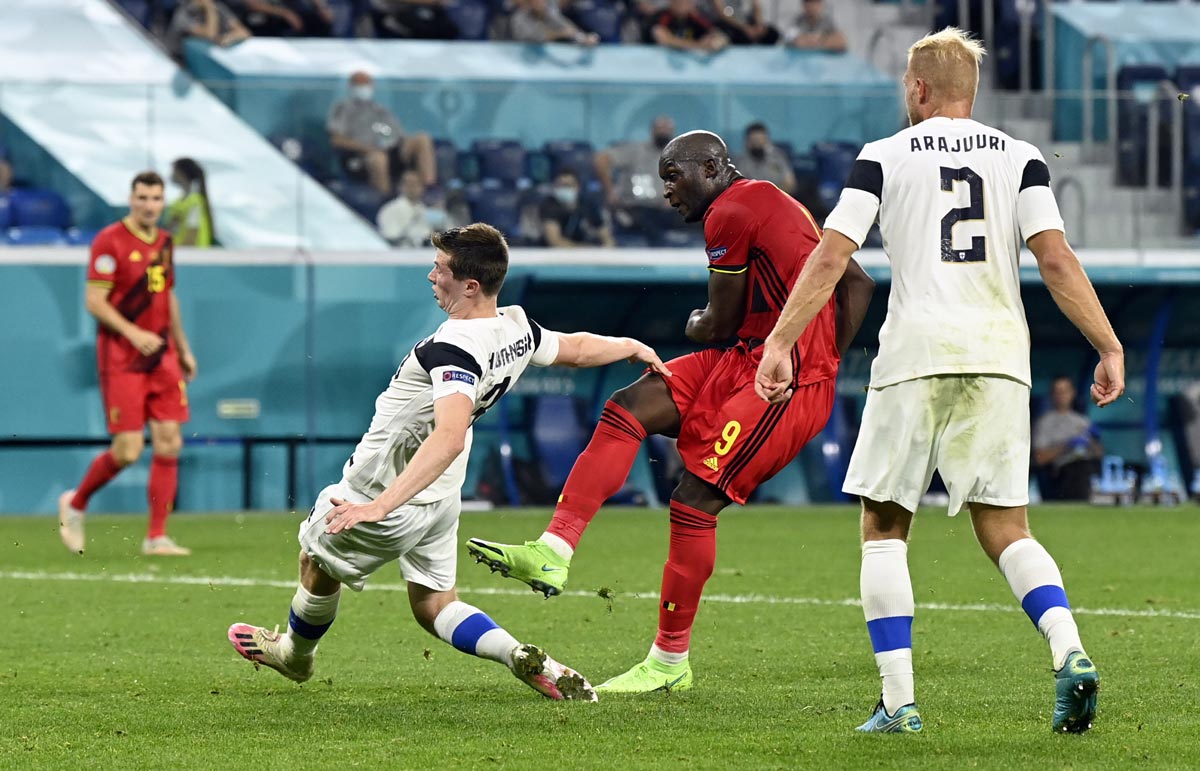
x: 399, y: 493
x: 950, y: 387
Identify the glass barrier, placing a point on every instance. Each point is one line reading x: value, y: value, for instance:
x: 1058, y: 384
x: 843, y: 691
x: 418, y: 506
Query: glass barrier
x: 1123, y: 168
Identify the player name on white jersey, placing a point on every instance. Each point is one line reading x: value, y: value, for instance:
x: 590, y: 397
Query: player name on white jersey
x: 958, y: 144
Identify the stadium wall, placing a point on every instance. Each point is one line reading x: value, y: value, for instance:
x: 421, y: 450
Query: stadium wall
x: 312, y: 339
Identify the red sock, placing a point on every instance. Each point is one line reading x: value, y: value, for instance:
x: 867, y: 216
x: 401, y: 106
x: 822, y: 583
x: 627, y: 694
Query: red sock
x: 104, y: 467
x: 690, y: 562
x: 164, y: 482
x: 599, y: 472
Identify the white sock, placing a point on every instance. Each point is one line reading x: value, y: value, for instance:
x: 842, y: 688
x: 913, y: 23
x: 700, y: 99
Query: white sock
x: 557, y: 545
x: 888, y: 606
x: 1036, y: 581
x: 667, y: 657
x: 309, y: 619
x: 470, y: 630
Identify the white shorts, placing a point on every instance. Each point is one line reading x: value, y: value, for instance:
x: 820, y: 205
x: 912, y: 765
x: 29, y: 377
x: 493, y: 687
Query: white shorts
x: 424, y: 537
x: 974, y: 429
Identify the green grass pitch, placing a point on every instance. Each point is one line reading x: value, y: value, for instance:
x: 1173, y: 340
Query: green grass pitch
x: 112, y: 660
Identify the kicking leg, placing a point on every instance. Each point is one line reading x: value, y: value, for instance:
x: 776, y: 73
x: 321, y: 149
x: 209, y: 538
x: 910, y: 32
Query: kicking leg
x: 646, y: 407
x: 314, y: 607
x: 690, y: 561
x: 1037, y: 583
x: 888, y: 605
x: 471, y: 631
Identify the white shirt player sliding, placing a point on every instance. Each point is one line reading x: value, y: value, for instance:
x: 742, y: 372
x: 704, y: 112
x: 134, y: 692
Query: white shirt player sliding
x: 950, y: 387
x: 399, y: 496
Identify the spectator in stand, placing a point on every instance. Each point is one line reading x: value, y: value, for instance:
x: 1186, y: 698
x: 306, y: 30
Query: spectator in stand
x: 205, y: 19
x: 763, y: 160
x: 406, y: 220
x: 540, y: 21
x: 190, y: 217
x: 815, y: 30
x: 628, y: 173
x: 640, y: 21
x: 566, y: 222
x: 370, y: 141
x: 684, y: 28
x: 742, y: 22
x: 1066, y: 451
x: 420, y: 19
x: 286, y: 18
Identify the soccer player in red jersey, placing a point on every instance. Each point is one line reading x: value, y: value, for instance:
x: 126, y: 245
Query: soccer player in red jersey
x: 757, y: 240
x: 144, y: 361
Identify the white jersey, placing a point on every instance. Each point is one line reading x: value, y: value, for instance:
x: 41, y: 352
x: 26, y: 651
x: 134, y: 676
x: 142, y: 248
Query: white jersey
x: 956, y: 200
x: 481, y: 358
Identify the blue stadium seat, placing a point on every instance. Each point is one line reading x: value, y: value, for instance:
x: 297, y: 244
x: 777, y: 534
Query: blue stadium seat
x: 568, y: 154
x: 599, y: 17
x: 834, y: 160
x: 682, y: 238
x: 81, y: 236
x: 1136, y: 84
x: 344, y: 13
x: 468, y: 166
x: 538, y: 167
x: 35, y: 235
x: 558, y: 436
x: 500, y: 159
x: 472, y: 18
x: 29, y: 208
x: 141, y: 10
x: 5, y: 215
x: 361, y: 198
x: 445, y: 156
x: 498, y: 206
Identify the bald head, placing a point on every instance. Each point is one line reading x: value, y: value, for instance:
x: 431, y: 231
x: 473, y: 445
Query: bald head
x: 697, y: 147
x: 695, y: 169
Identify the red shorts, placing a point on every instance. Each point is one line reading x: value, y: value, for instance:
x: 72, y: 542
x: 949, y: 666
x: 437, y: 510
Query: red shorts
x: 728, y: 436
x: 130, y: 398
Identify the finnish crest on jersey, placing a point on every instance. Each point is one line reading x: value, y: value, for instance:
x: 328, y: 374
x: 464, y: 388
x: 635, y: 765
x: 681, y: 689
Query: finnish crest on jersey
x: 717, y: 253
x: 453, y: 374
x: 105, y: 264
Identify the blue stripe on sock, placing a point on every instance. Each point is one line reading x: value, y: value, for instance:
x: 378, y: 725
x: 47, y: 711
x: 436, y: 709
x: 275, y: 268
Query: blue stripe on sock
x: 467, y: 633
x: 892, y: 633
x: 1042, y: 599
x: 306, y: 630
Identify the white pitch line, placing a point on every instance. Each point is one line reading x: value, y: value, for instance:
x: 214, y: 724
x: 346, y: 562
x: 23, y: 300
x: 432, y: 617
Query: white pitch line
x: 732, y: 599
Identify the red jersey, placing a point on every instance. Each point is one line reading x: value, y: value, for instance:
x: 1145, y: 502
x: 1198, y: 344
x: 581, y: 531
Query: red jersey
x: 139, y: 274
x: 755, y: 227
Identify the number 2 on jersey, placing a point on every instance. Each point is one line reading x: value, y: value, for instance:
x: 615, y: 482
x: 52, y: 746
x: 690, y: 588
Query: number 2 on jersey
x: 971, y: 212
x: 491, y: 397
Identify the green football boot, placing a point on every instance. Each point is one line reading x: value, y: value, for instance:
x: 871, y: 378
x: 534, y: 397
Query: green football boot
x: 533, y: 563
x: 649, y: 676
x: 906, y: 721
x: 1075, y: 687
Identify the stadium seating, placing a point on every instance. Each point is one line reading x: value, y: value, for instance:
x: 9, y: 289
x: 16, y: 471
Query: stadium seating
x: 833, y: 160
x: 142, y: 11
x: 5, y: 216
x: 363, y: 199
x: 498, y: 205
x: 558, y: 436
x: 472, y: 18
x: 32, y: 208
x: 600, y: 17
x: 35, y: 235
x: 500, y: 159
x: 80, y: 236
x: 568, y: 154
x: 446, y: 158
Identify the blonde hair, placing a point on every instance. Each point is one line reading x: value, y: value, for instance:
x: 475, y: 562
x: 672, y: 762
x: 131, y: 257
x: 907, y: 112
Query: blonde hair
x: 949, y: 62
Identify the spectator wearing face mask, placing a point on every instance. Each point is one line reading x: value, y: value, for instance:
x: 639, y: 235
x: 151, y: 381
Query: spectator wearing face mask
x: 628, y: 174
x: 190, y: 218
x: 566, y: 223
x: 763, y: 160
x: 370, y: 140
